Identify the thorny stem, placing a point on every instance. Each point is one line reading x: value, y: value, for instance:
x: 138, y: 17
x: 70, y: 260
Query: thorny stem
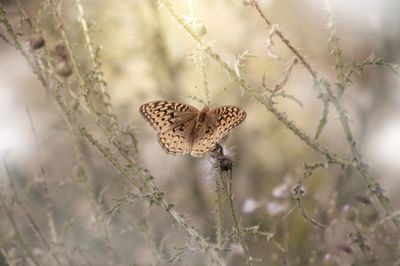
x: 5, y: 39
x: 17, y: 44
x: 155, y: 196
x: 145, y: 229
x: 84, y: 178
x: 325, y: 103
x: 298, y: 193
x: 286, y: 41
x: 204, y: 76
x: 383, y: 220
x: 218, y: 214
x: 336, y: 51
x: 64, y: 35
x: 226, y: 178
x: 373, y: 186
x: 223, y: 166
x: 18, y: 235
x: 97, y: 68
x: 361, y: 167
x: 158, y: 198
x: 282, y: 117
x: 49, y: 204
x: 305, y: 215
x: 270, y: 238
x: 29, y: 216
x: 308, y: 171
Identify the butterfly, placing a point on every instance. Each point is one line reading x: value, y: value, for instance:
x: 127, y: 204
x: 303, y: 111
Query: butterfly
x: 183, y: 129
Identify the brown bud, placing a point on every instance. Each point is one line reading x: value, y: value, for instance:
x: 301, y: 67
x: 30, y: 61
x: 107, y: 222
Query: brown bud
x: 225, y: 163
x: 60, y: 51
x: 346, y: 248
x: 63, y: 68
x: 36, y: 42
x: 363, y: 199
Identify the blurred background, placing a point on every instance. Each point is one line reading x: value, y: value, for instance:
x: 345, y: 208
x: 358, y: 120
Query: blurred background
x: 147, y: 56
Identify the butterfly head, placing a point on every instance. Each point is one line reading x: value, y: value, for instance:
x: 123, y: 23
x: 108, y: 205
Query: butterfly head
x: 203, y: 114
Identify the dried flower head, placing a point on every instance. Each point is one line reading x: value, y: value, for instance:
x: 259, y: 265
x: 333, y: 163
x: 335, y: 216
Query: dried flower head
x: 221, y: 157
x: 363, y: 199
x: 346, y: 248
x: 36, y: 41
x: 60, y: 52
x: 62, y: 66
x: 298, y: 191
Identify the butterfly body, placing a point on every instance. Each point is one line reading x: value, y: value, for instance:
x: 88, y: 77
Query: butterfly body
x: 183, y: 129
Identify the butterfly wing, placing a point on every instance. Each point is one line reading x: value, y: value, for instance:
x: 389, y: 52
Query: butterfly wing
x: 176, y: 140
x: 173, y: 122
x: 220, y: 121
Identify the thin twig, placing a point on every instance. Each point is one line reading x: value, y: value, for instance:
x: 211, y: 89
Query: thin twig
x: 45, y: 188
x: 28, y: 215
x: 18, y: 235
x: 282, y: 117
x: 373, y: 185
x: 98, y: 73
x: 84, y: 178
x: 226, y: 177
x: 270, y: 237
x: 155, y: 195
x: 218, y: 212
x: 286, y: 41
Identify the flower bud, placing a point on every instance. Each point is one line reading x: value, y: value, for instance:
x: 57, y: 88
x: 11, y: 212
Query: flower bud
x: 36, y: 42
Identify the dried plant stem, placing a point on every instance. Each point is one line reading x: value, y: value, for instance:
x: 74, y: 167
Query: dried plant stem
x: 5, y: 39
x: 226, y: 180
x: 374, y: 186
x: 306, y: 216
x: 341, y: 83
x: 16, y: 44
x: 389, y: 217
x: 286, y: 41
x: 98, y: 73
x: 336, y: 51
x: 325, y: 103
x: 298, y: 192
x: 155, y: 195
x: 144, y: 228
x: 96, y: 209
x: 18, y: 235
x: 282, y: 117
x: 218, y: 212
x: 23, y: 13
x: 64, y: 35
x: 270, y: 238
x: 45, y: 188
x: 202, y: 62
x: 27, y: 213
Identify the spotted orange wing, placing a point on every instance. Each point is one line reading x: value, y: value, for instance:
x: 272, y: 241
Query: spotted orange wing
x: 218, y: 123
x: 173, y: 123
